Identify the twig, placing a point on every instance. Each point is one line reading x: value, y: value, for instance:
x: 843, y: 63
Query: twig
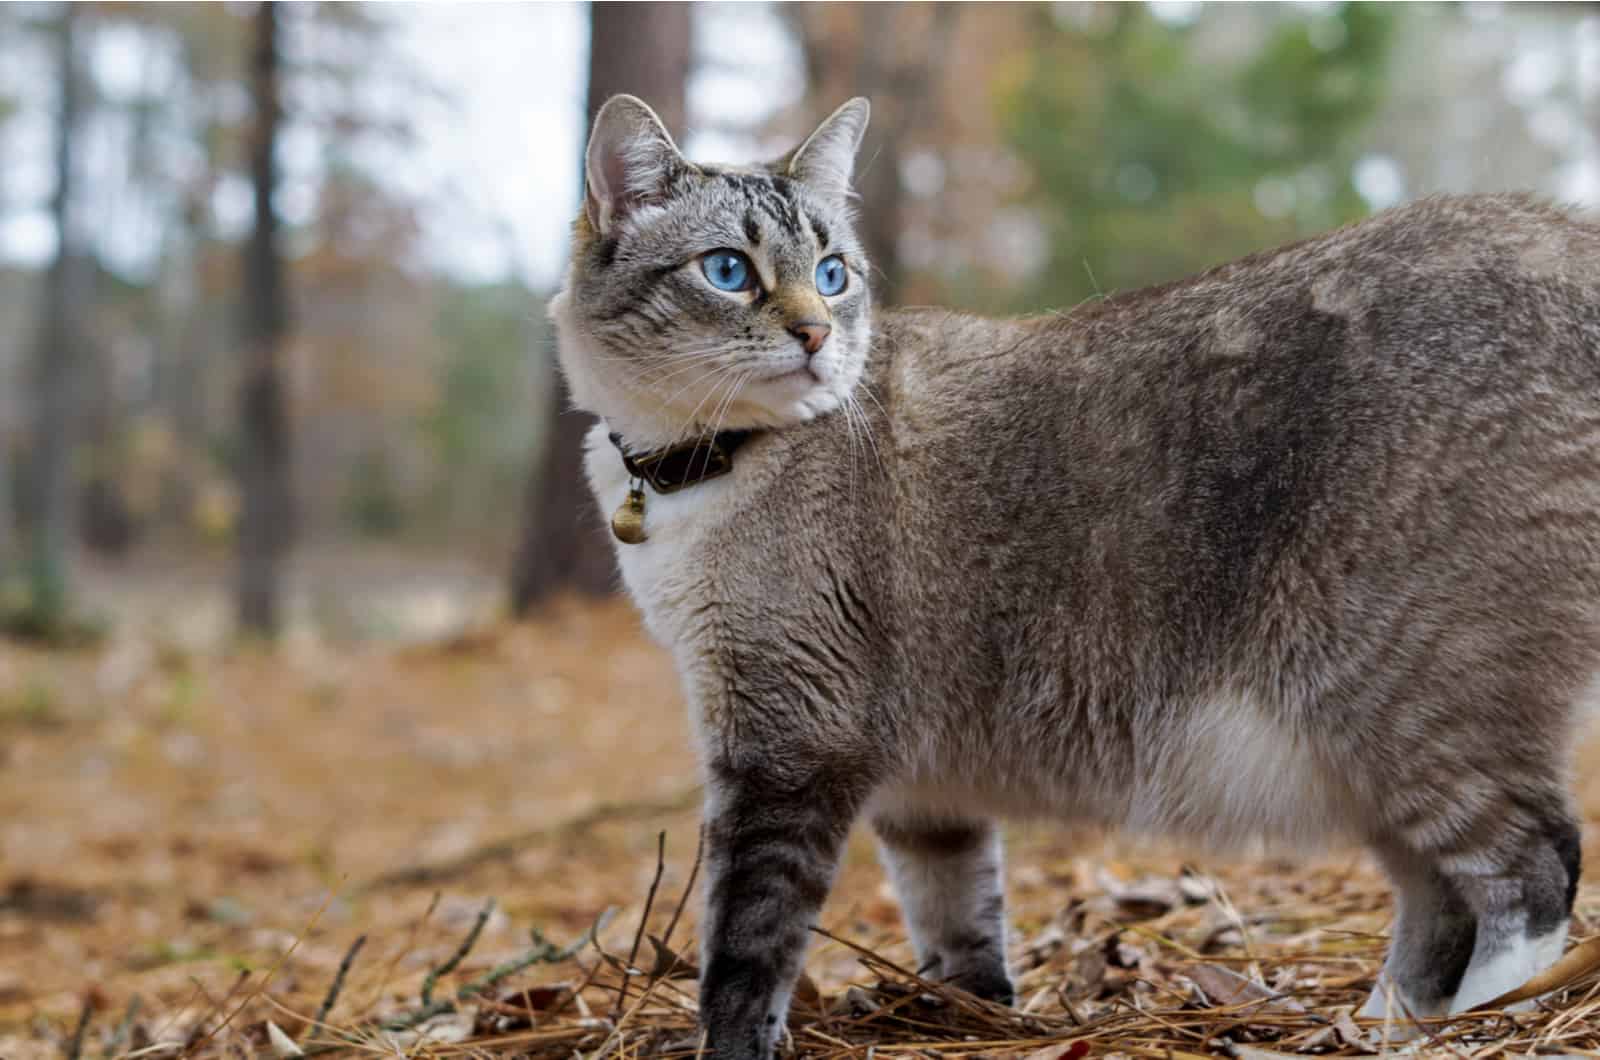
x: 688, y: 887
x: 338, y: 980
x: 543, y: 952
x: 214, y: 1005
x: 644, y: 918
x: 75, y: 1043
x: 411, y: 942
x: 172, y: 1017
x: 410, y: 1019
x: 458, y: 956
x: 504, y: 849
x: 491, y: 978
x: 125, y: 1026
x: 589, y: 974
x: 556, y: 956
x: 276, y: 965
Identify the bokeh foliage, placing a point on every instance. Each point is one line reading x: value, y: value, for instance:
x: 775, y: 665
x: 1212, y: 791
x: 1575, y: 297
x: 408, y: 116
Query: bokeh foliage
x: 1159, y: 146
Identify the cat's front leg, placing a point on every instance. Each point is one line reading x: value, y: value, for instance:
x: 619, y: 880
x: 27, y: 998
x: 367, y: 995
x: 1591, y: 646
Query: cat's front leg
x: 774, y: 833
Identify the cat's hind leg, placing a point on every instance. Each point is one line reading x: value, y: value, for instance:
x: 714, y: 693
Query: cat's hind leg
x: 947, y: 872
x: 1523, y: 903
x: 1431, y: 943
x: 1483, y: 908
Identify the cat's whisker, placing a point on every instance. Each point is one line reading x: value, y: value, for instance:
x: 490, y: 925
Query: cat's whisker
x: 683, y: 432
x: 850, y: 429
x: 699, y: 362
x: 738, y: 382
x: 735, y: 384
x: 648, y: 364
x: 866, y: 425
x: 866, y: 388
x: 698, y: 379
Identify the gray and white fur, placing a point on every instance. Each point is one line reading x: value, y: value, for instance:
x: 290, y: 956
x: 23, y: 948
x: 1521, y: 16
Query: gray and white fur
x: 1306, y: 547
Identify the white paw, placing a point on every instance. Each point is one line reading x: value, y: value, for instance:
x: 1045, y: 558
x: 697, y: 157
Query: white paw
x: 1508, y: 969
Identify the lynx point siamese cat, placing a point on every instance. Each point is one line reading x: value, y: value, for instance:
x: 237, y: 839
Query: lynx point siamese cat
x: 1307, y: 546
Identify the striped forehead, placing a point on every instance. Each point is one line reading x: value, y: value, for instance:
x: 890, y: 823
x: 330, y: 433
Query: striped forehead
x: 769, y: 202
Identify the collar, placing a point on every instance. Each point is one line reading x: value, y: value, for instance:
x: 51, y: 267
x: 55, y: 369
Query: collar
x: 685, y: 464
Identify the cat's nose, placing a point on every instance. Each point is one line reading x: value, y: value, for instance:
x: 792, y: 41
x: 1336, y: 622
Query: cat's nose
x: 811, y: 334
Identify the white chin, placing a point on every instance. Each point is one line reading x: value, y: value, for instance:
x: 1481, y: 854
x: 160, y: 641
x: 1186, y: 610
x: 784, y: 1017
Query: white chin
x: 789, y: 399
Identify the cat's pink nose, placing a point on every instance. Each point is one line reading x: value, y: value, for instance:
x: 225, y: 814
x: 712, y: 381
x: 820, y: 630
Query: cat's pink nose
x: 811, y: 335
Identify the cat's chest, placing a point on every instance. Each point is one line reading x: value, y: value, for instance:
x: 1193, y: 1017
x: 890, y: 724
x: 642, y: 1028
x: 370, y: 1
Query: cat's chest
x: 667, y: 574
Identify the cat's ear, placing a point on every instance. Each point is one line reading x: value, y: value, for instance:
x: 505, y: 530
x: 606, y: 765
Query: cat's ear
x: 630, y: 161
x: 824, y: 162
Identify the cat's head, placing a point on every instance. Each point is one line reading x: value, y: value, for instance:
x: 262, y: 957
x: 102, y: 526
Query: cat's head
x: 703, y: 297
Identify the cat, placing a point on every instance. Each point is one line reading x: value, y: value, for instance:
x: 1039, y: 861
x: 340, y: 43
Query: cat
x: 1306, y: 547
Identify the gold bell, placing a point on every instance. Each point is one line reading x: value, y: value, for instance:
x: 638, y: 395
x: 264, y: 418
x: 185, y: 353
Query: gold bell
x: 627, y: 522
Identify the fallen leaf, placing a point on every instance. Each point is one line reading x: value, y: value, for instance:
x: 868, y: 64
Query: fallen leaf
x: 1223, y: 935
x: 806, y: 992
x: 1045, y: 945
x: 1226, y: 988
x: 1088, y: 973
x: 1060, y: 1051
x: 856, y: 1002
x: 1349, y: 1034
x: 1147, y: 898
x: 282, y: 1044
x: 539, y: 998
x: 1197, y: 889
x: 1122, y: 954
x: 670, y: 964
x: 446, y: 1029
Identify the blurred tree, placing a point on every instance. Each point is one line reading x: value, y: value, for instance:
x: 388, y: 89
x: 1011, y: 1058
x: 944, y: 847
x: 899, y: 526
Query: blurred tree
x: 1160, y: 147
x: 938, y: 185
x: 197, y: 272
x: 896, y: 56
x: 7, y: 509
x: 643, y: 49
x: 8, y: 20
x: 57, y: 355
x: 264, y: 527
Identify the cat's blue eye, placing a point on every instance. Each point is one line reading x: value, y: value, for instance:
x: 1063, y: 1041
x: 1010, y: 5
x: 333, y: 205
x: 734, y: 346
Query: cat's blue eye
x: 831, y: 275
x: 728, y: 270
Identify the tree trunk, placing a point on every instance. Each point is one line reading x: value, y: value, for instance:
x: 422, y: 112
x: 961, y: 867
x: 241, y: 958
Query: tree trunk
x: 878, y: 171
x: 894, y: 54
x: 643, y: 49
x: 7, y: 509
x: 58, y: 353
x: 266, y: 513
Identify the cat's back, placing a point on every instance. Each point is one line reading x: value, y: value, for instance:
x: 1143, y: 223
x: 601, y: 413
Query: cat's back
x: 1492, y: 240
x: 1446, y: 294
x: 1434, y: 279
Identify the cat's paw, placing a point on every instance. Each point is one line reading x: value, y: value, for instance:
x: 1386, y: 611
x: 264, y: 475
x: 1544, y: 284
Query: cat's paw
x: 986, y: 983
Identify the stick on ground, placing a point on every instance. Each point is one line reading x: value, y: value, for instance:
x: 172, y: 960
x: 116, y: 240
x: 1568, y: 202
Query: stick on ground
x: 338, y: 981
x: 644, y: 918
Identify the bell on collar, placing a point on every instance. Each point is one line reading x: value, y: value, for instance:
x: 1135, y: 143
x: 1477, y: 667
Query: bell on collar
x: 627, y: 522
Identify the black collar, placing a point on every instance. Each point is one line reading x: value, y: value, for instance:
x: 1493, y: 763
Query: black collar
x: 685, y: 464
